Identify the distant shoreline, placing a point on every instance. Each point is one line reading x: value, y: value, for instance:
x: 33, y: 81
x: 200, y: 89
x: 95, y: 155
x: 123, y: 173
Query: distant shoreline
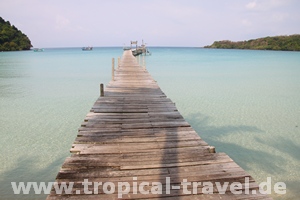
x: 150, y: 47
x: 279, y: 43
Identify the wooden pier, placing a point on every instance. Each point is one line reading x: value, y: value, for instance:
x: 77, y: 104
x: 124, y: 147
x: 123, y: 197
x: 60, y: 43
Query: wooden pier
x: 135, y: 134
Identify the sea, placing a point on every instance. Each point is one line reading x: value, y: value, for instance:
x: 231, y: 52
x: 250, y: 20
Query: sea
x: 246, y: 103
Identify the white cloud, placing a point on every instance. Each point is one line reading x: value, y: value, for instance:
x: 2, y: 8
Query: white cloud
x: 266, y: 4
x: 251, y: 5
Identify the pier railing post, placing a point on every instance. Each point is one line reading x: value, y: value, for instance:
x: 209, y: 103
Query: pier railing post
x: 212, y: 149
x: 113, y: 69
x: 118, y: 62
x: 101, y: 90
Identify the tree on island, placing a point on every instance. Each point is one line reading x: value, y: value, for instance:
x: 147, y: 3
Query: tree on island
x: 11, y: 38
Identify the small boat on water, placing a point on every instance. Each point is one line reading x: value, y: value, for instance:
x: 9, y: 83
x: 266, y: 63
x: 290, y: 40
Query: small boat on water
x: 38, y: 50
x: 138, y: 49
x: 87, y: 48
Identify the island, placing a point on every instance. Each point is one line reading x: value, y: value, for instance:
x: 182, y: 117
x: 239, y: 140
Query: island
x: 11, y: 38
x: 283, y: 43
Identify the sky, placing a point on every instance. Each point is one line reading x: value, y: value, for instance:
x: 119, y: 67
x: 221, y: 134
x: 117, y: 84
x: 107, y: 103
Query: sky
x: 191, y: 23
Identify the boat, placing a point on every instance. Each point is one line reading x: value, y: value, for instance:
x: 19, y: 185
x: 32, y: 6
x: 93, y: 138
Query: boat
x: 138, y: 49
x: 38, y: 50
x: 87, y: 48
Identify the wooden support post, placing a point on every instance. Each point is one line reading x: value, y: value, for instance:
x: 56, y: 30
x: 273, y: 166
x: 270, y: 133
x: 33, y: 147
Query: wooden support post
x: 212, y: 149
x: 113, y: 69
x: 118, y: 62
x: 101, y: 90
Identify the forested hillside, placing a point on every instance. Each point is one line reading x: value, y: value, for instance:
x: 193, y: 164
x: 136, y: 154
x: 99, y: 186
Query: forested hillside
x: 284, y: 43
x: 11, y: 38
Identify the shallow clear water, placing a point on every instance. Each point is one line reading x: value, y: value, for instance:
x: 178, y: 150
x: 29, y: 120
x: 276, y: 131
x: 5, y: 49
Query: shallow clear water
x: 245, y: 103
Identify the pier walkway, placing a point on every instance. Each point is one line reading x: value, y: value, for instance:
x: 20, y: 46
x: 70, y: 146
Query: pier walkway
x: 135, y: 137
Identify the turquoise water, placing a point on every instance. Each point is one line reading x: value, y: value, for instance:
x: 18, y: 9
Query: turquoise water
x: 245, y: 103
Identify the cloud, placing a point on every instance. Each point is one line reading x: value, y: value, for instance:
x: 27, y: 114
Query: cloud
x: 251, y: 5
x: 266, y: 4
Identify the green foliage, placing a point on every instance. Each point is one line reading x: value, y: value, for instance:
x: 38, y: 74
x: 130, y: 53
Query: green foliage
x: 283, y: 43
x: 12, y: 39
